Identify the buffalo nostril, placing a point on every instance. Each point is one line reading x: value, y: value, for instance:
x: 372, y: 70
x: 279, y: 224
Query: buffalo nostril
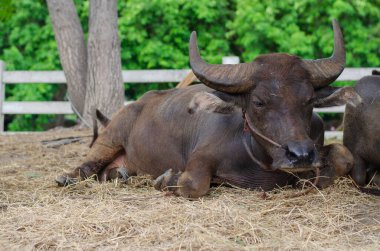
x: 311, y: 157
x: 291, y: 155
x: 300, y: 155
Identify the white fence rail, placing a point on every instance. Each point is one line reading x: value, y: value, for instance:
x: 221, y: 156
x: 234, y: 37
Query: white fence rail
x: 130, y: 76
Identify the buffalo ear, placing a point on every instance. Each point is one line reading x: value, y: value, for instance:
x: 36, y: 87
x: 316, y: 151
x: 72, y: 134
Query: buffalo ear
x: 208, y: 102
x: 102, y: 118
x: 334, y: 96
x: 95, y: 132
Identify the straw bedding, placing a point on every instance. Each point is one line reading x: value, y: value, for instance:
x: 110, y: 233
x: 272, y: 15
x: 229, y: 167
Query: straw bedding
x: 36, y: 214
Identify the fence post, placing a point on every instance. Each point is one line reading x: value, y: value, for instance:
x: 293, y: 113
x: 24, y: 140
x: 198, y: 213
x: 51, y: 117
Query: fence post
x: 230, y: 60
x: 2, y: 96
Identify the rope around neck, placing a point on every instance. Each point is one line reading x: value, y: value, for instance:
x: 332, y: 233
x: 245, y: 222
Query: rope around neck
x: 249, y: 151
x: 253, y: 130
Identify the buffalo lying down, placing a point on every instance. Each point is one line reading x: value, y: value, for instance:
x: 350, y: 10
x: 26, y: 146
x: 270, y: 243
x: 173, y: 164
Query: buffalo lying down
x: 189, y: 137
x: 362, y: 131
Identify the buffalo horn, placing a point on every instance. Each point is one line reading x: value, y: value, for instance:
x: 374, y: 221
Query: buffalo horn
x: 324, y: 71
x: 229, y: 78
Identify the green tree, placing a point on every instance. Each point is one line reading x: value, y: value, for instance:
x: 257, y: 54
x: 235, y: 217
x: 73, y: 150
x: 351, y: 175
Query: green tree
x: 304, y: 28
x: 155, y: 34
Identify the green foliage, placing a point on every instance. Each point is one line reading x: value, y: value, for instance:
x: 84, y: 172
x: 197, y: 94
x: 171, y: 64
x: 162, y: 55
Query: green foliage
x: 304, y: 28
x: 6, y: 9
x: 154, y: 34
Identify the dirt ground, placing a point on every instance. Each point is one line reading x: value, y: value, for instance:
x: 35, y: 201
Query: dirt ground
x: 36, y: 214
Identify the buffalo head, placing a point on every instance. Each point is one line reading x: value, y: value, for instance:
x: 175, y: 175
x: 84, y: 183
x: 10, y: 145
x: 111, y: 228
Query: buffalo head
x: 277, y: 92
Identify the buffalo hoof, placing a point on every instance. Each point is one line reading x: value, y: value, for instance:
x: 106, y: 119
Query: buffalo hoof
x: 374, y: 177
x: 167, y: 181
x: 376, y: 180
x: 65, y: 180
x: 120, y: 173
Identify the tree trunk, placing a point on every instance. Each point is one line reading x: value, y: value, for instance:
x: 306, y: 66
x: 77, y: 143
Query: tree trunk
x: 72, y: 49
x: 104, y: 90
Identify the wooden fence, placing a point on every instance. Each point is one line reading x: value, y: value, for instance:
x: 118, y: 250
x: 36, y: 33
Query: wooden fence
x: 130, y: 76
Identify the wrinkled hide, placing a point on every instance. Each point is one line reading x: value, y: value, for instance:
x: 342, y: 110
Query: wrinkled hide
x: 162, y: 135
x: 191, y: 137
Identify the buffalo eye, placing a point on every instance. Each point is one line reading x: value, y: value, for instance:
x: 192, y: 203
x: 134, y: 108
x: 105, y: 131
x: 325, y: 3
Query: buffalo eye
x: 258, y: 103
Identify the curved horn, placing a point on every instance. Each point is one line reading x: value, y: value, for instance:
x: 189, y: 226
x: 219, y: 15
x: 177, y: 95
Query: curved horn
x: 324, y: 71
x: 225, y: 77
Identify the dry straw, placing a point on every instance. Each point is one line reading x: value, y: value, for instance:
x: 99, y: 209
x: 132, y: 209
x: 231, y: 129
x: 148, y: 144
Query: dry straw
x: 36, y: 214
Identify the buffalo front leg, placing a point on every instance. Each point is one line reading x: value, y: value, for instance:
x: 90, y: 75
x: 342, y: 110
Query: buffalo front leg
x: 359, y: 171
x: 86, y: 170
x: 194, y: 182
x: 97, y: 160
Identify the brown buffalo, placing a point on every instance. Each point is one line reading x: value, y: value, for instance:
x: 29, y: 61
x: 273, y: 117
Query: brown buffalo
x: 362, y: 131
x: 189, y: 137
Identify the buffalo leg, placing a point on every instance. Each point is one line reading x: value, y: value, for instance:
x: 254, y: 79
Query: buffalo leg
x: 359, y: 172
x: 117, y: 169
x: 373, y: 175
x: 194, y: 182
x: 94, y: 164
x: 167, y: 181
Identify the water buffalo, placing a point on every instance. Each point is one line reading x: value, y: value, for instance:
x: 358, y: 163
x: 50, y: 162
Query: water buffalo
x: 250, y: 124
x: 362, y: 131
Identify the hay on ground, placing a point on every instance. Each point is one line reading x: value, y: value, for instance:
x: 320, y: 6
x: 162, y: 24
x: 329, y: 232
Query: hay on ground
x: 36, y: 214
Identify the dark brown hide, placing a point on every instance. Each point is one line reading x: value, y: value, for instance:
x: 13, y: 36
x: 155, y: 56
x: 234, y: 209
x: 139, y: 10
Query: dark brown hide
x: 282, y: 93
x: 277, y: 92
x: 362, y: 131
x: 157, y: 133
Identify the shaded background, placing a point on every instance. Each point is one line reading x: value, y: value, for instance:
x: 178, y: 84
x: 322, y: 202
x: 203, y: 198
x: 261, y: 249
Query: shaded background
x: 154, y: 34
